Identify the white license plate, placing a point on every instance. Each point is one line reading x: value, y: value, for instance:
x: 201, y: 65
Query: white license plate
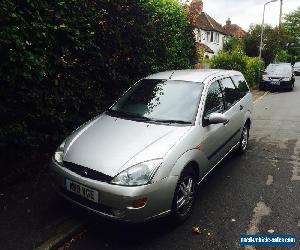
x: 84, y: 191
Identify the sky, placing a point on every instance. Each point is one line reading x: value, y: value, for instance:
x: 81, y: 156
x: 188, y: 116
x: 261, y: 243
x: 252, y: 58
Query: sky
x: 245, y: 12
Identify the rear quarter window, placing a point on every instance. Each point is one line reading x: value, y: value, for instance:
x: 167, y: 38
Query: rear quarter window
x: 241, y: 83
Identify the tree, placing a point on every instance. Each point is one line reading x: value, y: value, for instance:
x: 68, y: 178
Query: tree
x: 274, y: 40
x: 282, y: 56
x: 232, y: 42
x: 291, y: 25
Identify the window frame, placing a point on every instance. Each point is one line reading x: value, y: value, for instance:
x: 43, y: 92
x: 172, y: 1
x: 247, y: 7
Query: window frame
x: 217, y: 38
x: 241, y: 94
x: 224, y: 98
x: 223, y: 102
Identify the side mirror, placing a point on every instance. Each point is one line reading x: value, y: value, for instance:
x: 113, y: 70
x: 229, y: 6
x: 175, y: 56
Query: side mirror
x: 216, y: 118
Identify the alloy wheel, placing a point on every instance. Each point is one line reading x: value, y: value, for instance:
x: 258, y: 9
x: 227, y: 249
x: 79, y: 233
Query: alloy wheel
x: 244, y: 138
x: 185, y: 196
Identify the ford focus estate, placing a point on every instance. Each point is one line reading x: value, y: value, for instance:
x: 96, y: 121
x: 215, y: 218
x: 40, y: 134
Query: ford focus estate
x: 144, y: 157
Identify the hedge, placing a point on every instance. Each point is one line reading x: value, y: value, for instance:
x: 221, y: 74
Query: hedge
x: 64, y: 62
x: 238, y: 60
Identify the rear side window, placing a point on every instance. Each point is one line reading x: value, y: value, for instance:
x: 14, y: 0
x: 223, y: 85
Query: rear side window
x: 241, y: 84
x: 214, y: 100
x: 231, y: 93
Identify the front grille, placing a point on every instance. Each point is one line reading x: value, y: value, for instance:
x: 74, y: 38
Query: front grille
x: 87, y: 203
x: 87, y: 172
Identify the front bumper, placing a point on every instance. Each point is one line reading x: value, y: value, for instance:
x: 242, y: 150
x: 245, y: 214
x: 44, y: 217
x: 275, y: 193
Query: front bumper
x: 281, y: 85
x: 115, y: 201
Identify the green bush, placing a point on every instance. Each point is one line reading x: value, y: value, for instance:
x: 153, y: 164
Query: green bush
x: 63, y: 62
x: 237, y: 60
x: 253, y: 70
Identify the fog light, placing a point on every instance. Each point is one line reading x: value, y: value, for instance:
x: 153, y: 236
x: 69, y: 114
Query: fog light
x: 118, y: 212
x: 139, y: 203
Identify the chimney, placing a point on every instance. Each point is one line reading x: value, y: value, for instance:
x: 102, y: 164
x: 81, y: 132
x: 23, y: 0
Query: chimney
x: 196, y: 7
x: 228, y: 22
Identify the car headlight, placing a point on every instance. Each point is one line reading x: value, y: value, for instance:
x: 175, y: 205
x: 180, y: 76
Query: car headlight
x: 265, y: 78
x: 58, y: 156
x: 137, y: 175
x: 286, y: 79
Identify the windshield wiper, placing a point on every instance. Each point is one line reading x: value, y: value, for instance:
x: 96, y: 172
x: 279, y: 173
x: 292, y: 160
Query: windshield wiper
x: 128, y: 115
x: 173, y: 121
x: 143, y: 118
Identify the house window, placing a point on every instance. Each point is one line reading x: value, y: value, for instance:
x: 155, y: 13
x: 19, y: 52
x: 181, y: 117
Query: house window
x: 207, y: 36
x: 217, y: 37
x: 211, y: 37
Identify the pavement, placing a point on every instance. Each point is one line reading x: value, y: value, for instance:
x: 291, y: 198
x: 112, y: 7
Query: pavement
x: 31, y: 213
x: 254, y: 193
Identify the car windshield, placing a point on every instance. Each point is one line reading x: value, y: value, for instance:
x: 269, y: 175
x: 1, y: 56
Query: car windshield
x: 279, y: 69
x: 160, y: 101
x: 297, y: 64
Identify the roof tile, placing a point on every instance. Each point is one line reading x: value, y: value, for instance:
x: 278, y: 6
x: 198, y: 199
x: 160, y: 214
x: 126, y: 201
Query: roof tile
x: 205, y: 22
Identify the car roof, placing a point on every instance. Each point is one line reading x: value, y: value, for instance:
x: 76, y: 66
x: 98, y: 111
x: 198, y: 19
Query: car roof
x: 279, y: 64
x: 191, y: 75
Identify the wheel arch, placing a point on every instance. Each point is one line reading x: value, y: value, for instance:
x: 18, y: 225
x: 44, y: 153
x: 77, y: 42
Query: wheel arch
x: 194, y: 159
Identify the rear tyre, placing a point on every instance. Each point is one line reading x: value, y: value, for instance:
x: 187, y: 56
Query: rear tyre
x: 184, y: 196
x: 244, y: 139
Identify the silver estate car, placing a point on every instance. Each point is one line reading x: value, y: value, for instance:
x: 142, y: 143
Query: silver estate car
x: 144, y: 157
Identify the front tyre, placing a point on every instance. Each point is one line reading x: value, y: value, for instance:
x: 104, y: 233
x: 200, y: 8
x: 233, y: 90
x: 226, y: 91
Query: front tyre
x: 184, y: 196
x: 243, y: 145
x: 291, y: 86
x: 262, y: 87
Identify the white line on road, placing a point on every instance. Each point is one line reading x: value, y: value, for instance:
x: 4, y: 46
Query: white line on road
x: 266, y: 93
x: 261, y: 210
x: 296, y: 162
x: 269, y: 180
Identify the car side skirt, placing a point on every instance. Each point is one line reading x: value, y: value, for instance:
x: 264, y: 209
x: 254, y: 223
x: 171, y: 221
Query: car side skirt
x: 232, y: 148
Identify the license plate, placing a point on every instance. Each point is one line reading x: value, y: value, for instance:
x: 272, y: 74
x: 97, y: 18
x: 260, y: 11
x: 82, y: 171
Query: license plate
x: 276, y: 83
x: 84, y: 191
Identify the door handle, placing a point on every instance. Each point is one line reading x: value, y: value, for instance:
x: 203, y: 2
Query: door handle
x: 225, y: 123
x: 241, y: 107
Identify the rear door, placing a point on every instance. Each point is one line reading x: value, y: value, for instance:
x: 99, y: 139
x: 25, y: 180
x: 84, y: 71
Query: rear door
x: 234, y: 111
x: 244, y: 93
